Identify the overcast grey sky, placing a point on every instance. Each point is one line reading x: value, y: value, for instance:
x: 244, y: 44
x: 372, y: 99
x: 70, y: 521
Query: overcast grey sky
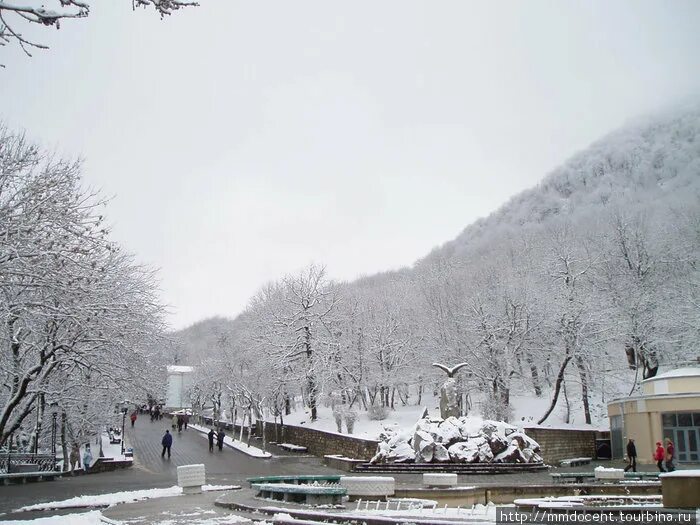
x: 244, y: 140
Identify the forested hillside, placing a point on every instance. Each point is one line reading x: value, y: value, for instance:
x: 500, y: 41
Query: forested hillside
x: 564, y: 298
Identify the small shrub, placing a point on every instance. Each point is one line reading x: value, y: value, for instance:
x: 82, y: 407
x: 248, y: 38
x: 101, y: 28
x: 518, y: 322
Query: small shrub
x: 377, y: 413
x: 350, y: 418
x: 338, y: 416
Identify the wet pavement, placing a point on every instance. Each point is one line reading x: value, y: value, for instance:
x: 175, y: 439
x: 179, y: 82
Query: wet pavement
x: 150, y: 470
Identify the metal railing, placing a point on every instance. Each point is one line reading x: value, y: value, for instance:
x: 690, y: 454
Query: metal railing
x: 19, y: 462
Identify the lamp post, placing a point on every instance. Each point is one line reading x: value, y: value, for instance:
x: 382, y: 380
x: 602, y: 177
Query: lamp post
x: 125, y: 408
x: 54, y: 413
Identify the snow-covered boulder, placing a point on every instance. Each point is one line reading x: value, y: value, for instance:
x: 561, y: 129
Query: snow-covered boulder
x: 401, y: 453
x: 512, y: 454
x: 448, y: 432
x: 462, y: 440
x: 440, y: 453
x: 476, y: 450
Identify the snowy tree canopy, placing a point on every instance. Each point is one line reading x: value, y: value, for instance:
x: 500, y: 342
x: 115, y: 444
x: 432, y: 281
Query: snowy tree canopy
x: 566, y: 297
x: 78, y: 317
x: 15, y: 16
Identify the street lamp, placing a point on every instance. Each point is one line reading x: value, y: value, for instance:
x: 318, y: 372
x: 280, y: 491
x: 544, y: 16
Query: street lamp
x: 54, y: 413
x: 125, y: 408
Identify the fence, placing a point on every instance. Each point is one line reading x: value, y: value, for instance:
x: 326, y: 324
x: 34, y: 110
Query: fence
x: 17, y: 462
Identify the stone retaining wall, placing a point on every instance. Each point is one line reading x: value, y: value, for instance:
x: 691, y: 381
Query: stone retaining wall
x: 318, y: 442
x: 558, y: 444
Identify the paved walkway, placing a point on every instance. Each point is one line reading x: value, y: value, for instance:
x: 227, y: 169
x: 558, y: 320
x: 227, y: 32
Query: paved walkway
x: 151, y: 471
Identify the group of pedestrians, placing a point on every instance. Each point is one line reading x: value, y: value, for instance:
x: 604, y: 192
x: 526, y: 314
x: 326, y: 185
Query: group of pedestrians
x: 179, y: 421
x: 167, y: 440
x: 219, y: 439
x: 662, y: 455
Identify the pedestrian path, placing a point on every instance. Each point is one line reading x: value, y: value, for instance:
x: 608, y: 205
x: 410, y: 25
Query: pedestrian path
x: 150, y: 470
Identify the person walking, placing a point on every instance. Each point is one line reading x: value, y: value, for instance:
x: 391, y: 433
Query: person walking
x: 211, y: 436
x: 74, y: 458
x: 631, y: 456
x: 87, y: 458
x: 659, y: 455
x: 220, y: 439
x: 167, y: 442
x: 670, y: 453
x: 133, y: 418
x: 180, y: 422
x: 186, y: 420
x: 174, y: 422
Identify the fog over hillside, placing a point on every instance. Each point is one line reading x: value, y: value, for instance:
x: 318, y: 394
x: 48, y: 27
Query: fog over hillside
x: 564, y: 298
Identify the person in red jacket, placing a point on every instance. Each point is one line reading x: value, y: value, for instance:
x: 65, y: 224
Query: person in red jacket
x: 133, y: 418
x: 670, y: 452
x: 659, y: 455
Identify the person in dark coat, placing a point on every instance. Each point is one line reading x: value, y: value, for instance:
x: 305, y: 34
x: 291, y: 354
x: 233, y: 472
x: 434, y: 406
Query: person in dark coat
x: 186, y: 420
x: 631, y: 456
x: 211, y: 436
x: 167, y: 442
x: 180, y: 422
x: 133, y: 418
x: 220, y: 439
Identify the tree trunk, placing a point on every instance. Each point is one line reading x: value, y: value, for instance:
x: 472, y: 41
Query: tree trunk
x: 535, y: 375
x: 310, y: 380
x: 557, y: 389
x: 584, y: 388
x: 240, y: 434
x: 64, y: 445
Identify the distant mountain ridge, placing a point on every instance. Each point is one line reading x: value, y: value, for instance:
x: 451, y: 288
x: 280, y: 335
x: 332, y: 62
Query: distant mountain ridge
x: 651, y: 159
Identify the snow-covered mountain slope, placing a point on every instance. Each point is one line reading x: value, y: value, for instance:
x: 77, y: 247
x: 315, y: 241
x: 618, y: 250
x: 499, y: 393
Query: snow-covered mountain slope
x: 654, y: 161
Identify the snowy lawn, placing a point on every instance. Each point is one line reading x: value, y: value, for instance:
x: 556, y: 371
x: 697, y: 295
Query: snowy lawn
x: 115, y: 498
x: 234, y: 443
x: 525, y: 411
x: 95, y: 517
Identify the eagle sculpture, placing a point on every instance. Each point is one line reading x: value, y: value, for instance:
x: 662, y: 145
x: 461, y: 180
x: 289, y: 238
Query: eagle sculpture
x: 450, y: 371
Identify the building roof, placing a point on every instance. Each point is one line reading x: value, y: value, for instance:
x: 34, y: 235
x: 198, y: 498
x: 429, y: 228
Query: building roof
x: 691, y: 371
x: 175, y: 369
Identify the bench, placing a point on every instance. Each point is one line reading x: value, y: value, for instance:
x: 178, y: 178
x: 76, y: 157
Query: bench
x: 582, y: 477
x: 642, y: 475
x: 575, y: 462
x: 375, y: 487
x: 439, y: 479
x: 114, y: 437
x: 572, y: 477
x: 306, y: 494
x: 295, y: 480
x: 23, y: 477
x: 291, y: 447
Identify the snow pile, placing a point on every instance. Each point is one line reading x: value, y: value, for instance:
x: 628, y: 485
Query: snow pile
x: 457, y: 440
x: 116, y: 498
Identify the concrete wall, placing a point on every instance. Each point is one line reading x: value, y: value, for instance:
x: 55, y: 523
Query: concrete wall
x: 320, y: 443
x: 558, y: 444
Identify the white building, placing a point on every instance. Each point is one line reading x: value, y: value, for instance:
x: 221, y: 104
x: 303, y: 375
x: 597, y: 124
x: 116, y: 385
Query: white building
x: 179, y: 383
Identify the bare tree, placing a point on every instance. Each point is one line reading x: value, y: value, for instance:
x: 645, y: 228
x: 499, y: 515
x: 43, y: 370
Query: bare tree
x: 13, y: 16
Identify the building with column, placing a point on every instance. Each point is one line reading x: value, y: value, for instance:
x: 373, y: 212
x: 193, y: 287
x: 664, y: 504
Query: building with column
x: 179, y: 384
x: 669, y: 407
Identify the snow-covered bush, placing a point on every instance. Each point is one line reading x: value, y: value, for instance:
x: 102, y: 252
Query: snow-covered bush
x: 377, y: 413
x: 350, y: 418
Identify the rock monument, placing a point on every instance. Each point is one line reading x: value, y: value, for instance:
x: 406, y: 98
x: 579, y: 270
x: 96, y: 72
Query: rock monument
x: 448, y: 392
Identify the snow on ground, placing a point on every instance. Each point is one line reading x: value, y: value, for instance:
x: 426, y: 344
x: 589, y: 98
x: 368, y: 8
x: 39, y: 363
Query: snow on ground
x: 94, y: 517
x: 115, y: 498
x: 234, y: 443
x: 526, y: 411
